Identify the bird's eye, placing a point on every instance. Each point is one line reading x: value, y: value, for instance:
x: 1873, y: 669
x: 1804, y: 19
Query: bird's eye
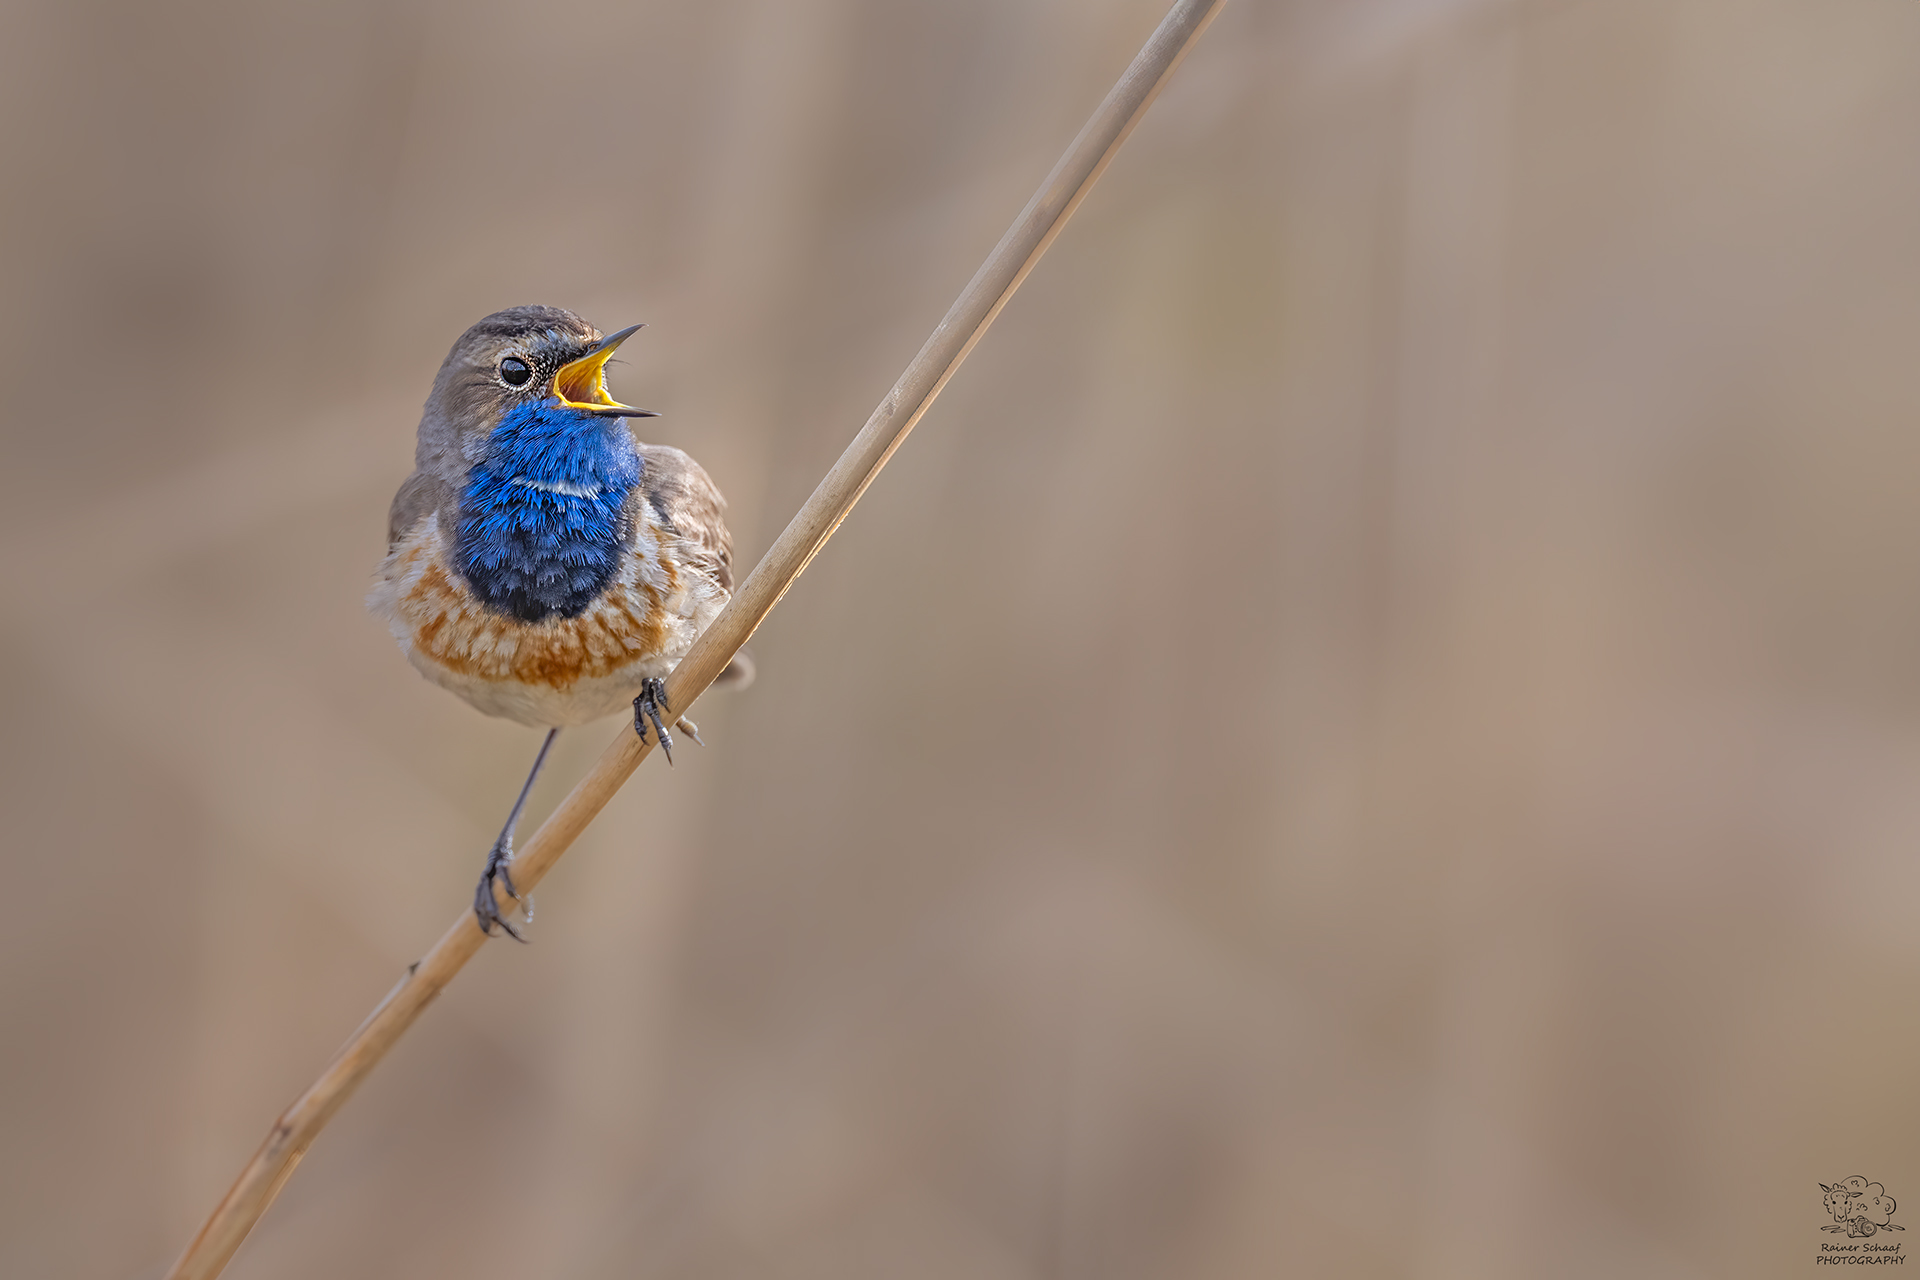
x: 514, y: 372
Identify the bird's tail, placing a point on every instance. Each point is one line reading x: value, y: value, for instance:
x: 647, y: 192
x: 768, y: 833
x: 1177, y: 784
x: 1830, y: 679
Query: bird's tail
x: 738, y: 675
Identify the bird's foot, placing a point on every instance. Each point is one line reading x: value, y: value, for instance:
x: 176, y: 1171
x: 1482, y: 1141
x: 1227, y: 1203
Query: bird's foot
x: 647, y: 707
x: 691, y: 729
x: 486, y: 907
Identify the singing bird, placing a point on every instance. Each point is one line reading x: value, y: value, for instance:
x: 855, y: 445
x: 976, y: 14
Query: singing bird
x: 541, y: 562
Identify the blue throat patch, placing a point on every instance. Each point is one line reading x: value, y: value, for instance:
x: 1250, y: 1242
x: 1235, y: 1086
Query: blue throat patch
x: 541, y: 519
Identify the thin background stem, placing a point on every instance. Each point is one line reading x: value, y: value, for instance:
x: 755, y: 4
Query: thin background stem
x: 1002, y: 273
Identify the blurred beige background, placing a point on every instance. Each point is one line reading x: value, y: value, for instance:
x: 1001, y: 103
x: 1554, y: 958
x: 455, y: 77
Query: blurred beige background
x: 1374, y: 731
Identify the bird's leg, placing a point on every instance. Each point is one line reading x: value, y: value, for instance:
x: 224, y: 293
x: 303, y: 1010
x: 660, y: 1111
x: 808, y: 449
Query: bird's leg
x: 486, y: 907
x: 648, y: 706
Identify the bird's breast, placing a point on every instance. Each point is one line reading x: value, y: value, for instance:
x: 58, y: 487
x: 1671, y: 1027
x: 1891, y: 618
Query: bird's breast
x: 561, y: 669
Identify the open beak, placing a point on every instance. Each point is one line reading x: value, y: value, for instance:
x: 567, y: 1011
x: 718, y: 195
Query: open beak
x: 582, y: 384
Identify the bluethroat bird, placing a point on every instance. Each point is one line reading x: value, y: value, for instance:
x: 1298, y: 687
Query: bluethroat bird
x: 541, y: 562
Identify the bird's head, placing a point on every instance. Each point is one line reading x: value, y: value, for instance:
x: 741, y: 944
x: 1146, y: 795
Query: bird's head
x: 519, y: 357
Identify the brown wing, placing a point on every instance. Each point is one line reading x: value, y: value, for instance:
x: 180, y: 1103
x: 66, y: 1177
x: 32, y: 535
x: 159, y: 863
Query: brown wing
x: 690, y: 504
x: 419, y: 494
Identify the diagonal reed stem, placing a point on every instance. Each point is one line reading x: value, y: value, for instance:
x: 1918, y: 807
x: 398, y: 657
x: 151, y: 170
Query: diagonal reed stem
x: 1002, y: 273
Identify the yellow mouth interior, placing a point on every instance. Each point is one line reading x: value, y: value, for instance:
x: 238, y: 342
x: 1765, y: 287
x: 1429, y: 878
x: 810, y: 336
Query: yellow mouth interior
x: 582, y: 384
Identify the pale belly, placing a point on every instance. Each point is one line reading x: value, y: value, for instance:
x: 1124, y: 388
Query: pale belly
x: 562, y: 671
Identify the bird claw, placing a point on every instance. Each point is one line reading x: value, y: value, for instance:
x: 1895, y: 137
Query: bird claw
x: 647, y: 707
x: 486, y: 907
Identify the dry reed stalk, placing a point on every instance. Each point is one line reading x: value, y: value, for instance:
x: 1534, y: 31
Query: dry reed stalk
x: 955, y: 337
